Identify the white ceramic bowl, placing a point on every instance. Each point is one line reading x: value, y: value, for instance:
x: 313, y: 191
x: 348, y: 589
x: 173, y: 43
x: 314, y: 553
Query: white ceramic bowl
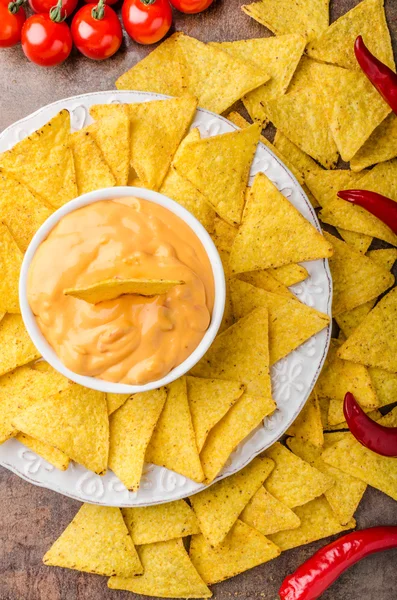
x: 46, y: 349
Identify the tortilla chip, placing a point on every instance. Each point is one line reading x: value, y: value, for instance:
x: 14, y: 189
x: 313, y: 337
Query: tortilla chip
x: 92, y: 172
x: 374, y: 342
x: 358, y: 241
x: 224, y: 234
x: 219, y: 168
x: 318, y: 521
x: 96, y: 541
x: 43, y: 161
x: 20, y: 210
x: 218, y: 507
x: 209, y: 401
x: 114, y: 401
x: 310, y: 197
x: 294, y: 482
x: 266, y: 281
x: 113, y: 288
x: 227, y: 559
x: 273, y: 232
x: 379, y: 147
x: 160, y: 523
x: 277, y: 56
x: 74, y: 420
x: 290, y: 274
x: 267, y: 514
x: 168, y: 573
x: 10, y: 265
x: 303, y: 164
x: 375, y: 415
x: 348, y: 321
x: 356, y: 278
x: 173, y: 443
x: 385, y: 385
x: 113, y: 137
x: 247, y: 414
x: 308, y: 427
x: 336, y: 44
x: 228, y: 318
x: 52, y: 455
x: 17, y: 347
x: 130, y: 430
x: 385, y: 257
x: 326, y: 184
x: 309, y: 19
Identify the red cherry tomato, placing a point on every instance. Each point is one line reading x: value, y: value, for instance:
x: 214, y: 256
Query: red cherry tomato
x: 44, y: 6
x: 146, y: 21
x: 191, y: 6
x: 12, y: 18
x: 46, y: 39
x: 108, y: 2
x: 96, y: 31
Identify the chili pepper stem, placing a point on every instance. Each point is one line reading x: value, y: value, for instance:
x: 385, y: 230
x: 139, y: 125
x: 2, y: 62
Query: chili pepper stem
x: 56, y: 13
x: 98, y: 12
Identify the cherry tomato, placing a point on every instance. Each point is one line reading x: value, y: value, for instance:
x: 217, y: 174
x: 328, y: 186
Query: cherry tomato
x: 108, y: 2
x: 146, y: 21
x: 96, y: 31
x: 12, y: 18
x: 191, y: 6
x: 46, y: 39
x: 44, y: 6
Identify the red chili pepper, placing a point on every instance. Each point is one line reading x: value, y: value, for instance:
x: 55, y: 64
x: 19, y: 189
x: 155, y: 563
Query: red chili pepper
x: 380, y: 75
x: 379, y: 439
x: 318, y: 573
x: 380, y: 206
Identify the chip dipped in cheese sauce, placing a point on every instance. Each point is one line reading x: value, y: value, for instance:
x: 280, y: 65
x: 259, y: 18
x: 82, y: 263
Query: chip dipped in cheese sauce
x: 131, y: 339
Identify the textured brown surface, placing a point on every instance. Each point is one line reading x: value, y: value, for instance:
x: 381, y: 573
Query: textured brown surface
x: 31, y: 518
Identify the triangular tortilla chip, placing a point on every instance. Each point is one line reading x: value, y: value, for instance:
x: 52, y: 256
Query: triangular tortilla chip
x: 385, y: 385
x: 160, y: 523
x: 44, y: 162
x: 219, y: 167
x: 227, y: 559
x: 358, y: 241
x: 218, y: 507
x: 348, y: 321
x: 293, y: 481
x: 356, y: 278
x: 308, y: 426
x: 246, y: 414
x: 317, y: 522
x: 131, y: 428
x: 267, y: 514
x: 75, y: 421
x: 96, y: 541
x: 326, y: 184
x: 351, y: 105
x: 107, y: 111
x: 209, y: 401
x: 291, y: 323
x: 379, y: 147
x: 266, y: 281
x: 336, y: 44
x: 309, y: 18
x: 52, y: 455
x: 17, y: 349
x: 290, y: 274
x: 173, y: 443
x: 168, y: 573
x: 385, y: 256
x: 374, y: 342
x: 113, y: 136
x: 20, y: 210
x: 92, y: 172
x: 273, y: 232
x: 277, y: 56
x: 224, y: 234
x: 302, y: 163
x: 114, y: 401
x: 10, y: 266
x: 110, y: 289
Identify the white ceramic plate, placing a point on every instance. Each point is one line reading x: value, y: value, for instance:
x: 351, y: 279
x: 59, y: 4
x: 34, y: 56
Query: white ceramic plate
x: 293, y: 377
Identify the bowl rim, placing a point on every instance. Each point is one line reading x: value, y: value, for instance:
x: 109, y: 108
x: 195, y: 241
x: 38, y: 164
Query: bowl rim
x: 41, y: 343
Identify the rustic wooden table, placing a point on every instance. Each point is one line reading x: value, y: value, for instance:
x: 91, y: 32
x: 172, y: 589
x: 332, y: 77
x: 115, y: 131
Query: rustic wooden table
x: 31, y: 518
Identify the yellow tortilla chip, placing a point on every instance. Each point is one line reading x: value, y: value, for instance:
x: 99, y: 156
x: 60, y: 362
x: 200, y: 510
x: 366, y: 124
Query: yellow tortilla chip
x: 379, y: 147
x: 227, y: 559
x: 10, y: 266
x: 75, y: 420
x: 160, y: 523
x: 114, y: 401
x: 20, y: 210
x: 303, y: 164
x: 309, y: 18
x: 291, y: 323
x: 52, y: 455
x: 168, y: 573
x: 356, y: 278
x: 382, y: 179
x: 293, y: 481
x: 224, y: 234
x: 173, y: 443
x: 248, y: 412
x: 310, y: 197
x: 374, y: 342
x: 326, y: 184
x: 92, y: 172
x: 375, y: 415
x: 17, y: 349
x: 266, y: 281
x: 96, y: 541
x: 348, y: 321
x: 209, y: 401
x: 358, y: 241
x: 308, y: 427
x: 113, y: 137
x: 217, y: 508
x: 106, y: 111
x: 273, y: 232
x: 267, y: 514
x: 336, y: 44
x: 219, y: 168
x: 385, y: 256
x: 113, y: 288
x: 290, y: 274
x: 385, y: 385
x: 317, y: 521
x: 130, y: 430
x: 44, y: 162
